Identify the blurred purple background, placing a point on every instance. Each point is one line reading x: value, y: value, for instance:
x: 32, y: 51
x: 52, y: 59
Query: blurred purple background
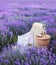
x: 30, y: 3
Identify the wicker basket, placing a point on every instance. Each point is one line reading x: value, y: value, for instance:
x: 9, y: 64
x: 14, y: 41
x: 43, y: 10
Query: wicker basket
x: 43, y: 41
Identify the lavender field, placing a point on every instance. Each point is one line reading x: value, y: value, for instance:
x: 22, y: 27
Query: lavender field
x: 16, y: 18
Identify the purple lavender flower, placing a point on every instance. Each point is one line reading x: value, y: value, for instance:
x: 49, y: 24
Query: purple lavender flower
x: 17, y: 63
x: 7, y: 61
x: 26, y: 63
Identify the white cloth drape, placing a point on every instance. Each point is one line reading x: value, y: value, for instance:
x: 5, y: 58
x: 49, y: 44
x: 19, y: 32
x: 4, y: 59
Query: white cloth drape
x: 25, y: 39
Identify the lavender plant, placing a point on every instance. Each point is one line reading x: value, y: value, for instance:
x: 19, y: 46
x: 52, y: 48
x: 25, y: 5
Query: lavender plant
x: 32, y: 56
x: 5, y: 36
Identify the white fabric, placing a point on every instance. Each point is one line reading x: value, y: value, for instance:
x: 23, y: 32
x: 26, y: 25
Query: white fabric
x: 25, y: 39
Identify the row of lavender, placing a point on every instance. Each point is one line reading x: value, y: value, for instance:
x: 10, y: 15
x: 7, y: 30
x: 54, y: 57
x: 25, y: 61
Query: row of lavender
x: 31, y: 56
